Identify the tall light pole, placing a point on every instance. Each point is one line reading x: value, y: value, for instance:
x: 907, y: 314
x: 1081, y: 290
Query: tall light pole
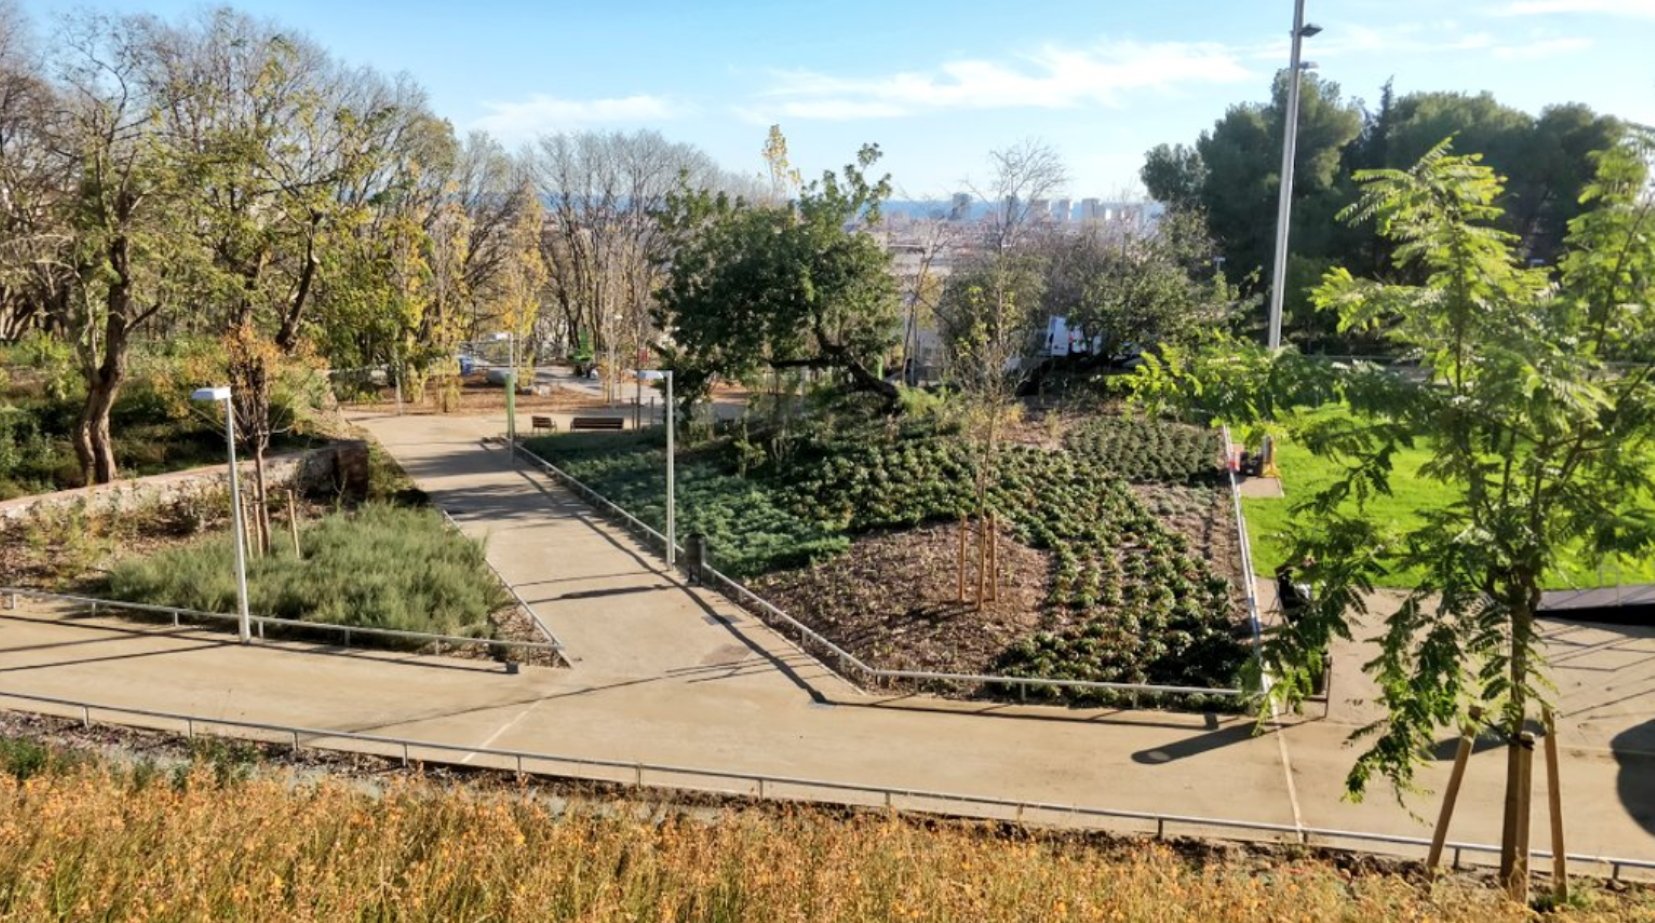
x: 672, y: 506
x: 1284, y: 205
x: 216, y: 395
x: 511, y: 390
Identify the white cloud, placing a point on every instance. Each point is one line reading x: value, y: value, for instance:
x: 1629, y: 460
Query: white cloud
x: 1053, y: 77
x: 1355, y: 40
x: 1542, y: 48
x: 542, y: 113
x: 1636, y: 9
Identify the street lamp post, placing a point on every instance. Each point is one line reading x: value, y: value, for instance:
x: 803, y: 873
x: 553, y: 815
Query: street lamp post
x: 1284, y: 204
x: 511, y: 389
x: 223, y: 394
x: 672, y: 506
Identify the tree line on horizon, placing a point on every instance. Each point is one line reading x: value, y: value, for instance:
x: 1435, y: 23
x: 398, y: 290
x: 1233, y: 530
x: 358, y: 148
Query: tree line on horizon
x: 1230, y: 176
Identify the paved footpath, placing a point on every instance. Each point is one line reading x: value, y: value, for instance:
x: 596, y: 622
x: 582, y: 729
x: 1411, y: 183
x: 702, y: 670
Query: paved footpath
x: 667, y: 674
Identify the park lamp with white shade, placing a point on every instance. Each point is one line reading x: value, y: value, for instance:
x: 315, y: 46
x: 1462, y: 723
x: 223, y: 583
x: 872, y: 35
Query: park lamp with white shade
x: 222, y: 395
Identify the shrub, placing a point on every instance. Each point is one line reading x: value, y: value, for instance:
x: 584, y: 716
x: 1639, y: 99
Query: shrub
x: 1142, y: 450
x: 380, y: 566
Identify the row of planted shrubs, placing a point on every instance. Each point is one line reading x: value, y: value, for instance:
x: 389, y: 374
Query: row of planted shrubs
x: 379, y: 566
x: 1146, y: 450
x: 1138, y: 606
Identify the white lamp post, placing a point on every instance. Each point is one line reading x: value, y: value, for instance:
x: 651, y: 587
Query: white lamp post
x: 223, y: 395
x: 672, y: 506
x: 1284, y: 204
x: 511, y: 389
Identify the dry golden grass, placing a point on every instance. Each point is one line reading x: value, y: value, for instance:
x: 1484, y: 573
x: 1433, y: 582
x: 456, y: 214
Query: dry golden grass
x: 90, y: 842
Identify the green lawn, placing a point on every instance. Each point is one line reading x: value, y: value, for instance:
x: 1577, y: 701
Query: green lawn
x: 1303, y: 474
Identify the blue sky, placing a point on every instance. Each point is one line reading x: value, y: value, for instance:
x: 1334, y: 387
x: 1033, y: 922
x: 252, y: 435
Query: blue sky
x: 938, y: 84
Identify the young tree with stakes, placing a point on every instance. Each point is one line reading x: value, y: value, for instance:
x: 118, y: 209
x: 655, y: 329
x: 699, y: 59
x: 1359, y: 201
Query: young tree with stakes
x: 1535, y: 399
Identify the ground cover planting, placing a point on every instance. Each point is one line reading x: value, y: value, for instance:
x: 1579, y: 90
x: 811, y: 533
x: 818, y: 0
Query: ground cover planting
x: 1145, y: 450
x: 1121, y: 597
x: 223, y: 835
x: 379, y: 565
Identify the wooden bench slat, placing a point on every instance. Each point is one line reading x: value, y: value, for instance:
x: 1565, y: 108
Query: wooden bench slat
x: 596, y: 423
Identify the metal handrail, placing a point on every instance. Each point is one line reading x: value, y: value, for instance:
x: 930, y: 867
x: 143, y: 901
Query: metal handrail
x: 551, y: 637
x: 1246, y: 543
x: 850, y: 663
x: 767, y: 783
x: 259, y: 621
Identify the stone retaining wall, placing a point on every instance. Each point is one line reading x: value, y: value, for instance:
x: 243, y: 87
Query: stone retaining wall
x: 337, y: 465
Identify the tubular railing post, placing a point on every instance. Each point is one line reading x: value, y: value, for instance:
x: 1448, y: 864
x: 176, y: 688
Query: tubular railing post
x: 639, y: 778
x: 189, y: 728
x: 405, y: 754
x: 86, y: 716
x: 295, y: 743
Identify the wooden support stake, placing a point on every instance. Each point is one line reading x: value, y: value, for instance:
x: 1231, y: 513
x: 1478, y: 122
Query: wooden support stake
x: 1468, y: 736
x: 982, y: 560
x: 1554, y: 799
x: 293, y: 520
x: 989, y: 536
x: 1518, y: 886
x: 960, y: 594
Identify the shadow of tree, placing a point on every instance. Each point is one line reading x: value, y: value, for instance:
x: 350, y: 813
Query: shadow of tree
x: 1634, y: 750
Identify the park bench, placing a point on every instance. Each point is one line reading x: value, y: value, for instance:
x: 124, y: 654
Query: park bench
x: 597, y: 424
x: 538, y: 423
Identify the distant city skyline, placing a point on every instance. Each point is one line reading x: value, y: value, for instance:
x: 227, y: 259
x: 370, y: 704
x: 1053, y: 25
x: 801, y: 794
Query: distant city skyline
x: 939, y: 85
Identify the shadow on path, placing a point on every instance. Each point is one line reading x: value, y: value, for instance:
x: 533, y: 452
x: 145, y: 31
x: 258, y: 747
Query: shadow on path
x: 1636, y: 782
x: 1195, y: 746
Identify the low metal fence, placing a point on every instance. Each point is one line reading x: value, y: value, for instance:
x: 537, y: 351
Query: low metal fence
x: 769, y: 786
x: 849, y: 664
x: 292, y: 627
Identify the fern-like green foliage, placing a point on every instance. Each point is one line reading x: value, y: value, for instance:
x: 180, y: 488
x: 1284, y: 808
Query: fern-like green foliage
x: 1531, y: 389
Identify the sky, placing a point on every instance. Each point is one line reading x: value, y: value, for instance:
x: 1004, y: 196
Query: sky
x: 939, y: 84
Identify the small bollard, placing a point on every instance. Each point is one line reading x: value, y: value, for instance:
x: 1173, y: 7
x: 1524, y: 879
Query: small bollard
x: 695, y: 557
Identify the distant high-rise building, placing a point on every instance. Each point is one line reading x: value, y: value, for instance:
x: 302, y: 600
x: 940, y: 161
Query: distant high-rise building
x: 1060, y: 210
x: 1091, y: 210
x: 961, y: 208
x: 1040, y: 210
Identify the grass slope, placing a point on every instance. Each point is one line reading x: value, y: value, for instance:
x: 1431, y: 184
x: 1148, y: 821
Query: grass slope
x: 1304, y: 474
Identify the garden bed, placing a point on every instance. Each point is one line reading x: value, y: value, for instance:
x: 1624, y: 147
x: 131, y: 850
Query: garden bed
x: 850, y: 529
x: 380, y: 561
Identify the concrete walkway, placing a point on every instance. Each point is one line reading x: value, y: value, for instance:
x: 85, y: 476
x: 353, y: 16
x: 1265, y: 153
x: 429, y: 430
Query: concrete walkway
x: 666, y: 674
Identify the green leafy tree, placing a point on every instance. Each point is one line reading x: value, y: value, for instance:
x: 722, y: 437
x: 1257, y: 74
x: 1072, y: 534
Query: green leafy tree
x: 1174, y: 175
x: 1536, y: 430
x: 753, y: 286
x: 1136, y: 291
x: 1241, y: 158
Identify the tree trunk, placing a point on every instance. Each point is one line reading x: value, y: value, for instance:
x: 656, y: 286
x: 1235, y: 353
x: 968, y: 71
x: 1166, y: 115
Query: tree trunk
x: 1522, y: 630
x: 94, y: 445
x: 261, y: 508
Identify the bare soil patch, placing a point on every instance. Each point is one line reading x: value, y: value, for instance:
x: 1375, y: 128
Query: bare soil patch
x: 893, y: 600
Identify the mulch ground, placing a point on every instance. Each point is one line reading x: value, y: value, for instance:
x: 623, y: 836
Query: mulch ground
x: 893, y: 600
